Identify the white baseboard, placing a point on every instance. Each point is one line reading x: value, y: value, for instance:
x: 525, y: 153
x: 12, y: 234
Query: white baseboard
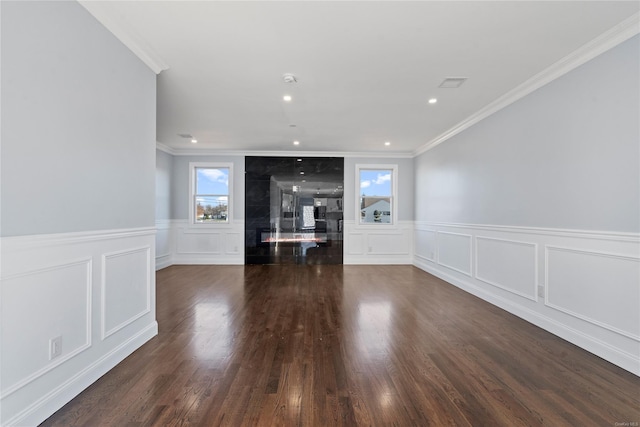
x: 95, y: 291
x: 183, y: 243
x: 57, y: 398
x: 372, y: 244
x: 164, y: 261
x: 563, y: 293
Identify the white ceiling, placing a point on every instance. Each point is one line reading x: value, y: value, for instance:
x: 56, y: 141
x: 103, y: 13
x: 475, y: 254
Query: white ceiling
x: 365, y: 69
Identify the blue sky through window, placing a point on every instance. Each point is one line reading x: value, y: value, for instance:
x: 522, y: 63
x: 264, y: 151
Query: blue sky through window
x: 375, y: 182
x: 212, y: 181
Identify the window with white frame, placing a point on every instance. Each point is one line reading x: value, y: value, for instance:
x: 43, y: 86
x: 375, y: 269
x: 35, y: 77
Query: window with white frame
x: 376, y: 186
x: 210, y: 191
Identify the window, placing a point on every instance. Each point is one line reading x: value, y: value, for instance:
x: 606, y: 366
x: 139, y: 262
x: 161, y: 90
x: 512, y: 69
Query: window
x: 377, y: 188
x: 210, y: 190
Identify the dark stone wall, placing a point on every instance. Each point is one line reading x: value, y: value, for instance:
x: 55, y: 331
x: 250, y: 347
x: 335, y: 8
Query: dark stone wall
x: 304, y: 180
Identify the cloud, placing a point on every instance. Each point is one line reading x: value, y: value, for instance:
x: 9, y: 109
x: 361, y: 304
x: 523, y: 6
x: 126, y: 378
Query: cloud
x: 383, y: 178
x: 365, y: 184
x: 215, y: 175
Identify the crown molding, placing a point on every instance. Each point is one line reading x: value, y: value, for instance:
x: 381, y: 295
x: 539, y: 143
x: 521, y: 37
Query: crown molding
x: 282, y: 153
x: 607, y: 40
x: 109, y: 18
x: 162, y: 147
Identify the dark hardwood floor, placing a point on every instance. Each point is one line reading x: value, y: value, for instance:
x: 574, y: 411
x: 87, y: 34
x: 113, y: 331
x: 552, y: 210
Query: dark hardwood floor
x: 346, y: 345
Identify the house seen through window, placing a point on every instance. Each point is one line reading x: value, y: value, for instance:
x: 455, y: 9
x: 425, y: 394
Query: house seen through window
x: 376, y: 196
x: 211, y: 195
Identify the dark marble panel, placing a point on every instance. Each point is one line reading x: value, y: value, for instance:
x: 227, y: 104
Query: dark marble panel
x: 298, y: 180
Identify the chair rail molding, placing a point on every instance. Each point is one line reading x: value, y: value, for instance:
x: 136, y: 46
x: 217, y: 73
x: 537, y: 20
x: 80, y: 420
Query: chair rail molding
x: 553, y: 278
x: 67, y: 287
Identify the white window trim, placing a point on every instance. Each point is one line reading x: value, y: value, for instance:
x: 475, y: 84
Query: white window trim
x: 394, y: 189
x: 192, y: 188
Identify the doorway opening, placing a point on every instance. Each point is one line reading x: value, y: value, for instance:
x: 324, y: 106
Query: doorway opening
x: 294, y: 210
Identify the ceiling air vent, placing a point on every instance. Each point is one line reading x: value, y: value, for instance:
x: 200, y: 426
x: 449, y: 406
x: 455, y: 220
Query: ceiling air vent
x: 452, y: 82
x: 185, y: 135
x: 289, y: 78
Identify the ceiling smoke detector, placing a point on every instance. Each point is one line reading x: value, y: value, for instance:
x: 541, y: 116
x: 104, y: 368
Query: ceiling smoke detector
x: 289, y: 78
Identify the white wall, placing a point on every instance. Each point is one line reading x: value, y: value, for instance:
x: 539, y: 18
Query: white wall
x: 78, y: 116
x: 376, y: 243
x: 180, y: 243
x: 164, y: 205
x: 164, y: 167
x: 405, y: 184
x: 77, y: 177
x: 566, y: 156
x: 537, y: 207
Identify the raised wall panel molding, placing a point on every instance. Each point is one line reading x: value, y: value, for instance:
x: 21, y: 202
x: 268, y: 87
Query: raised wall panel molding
x: 609, y: 39
x: 614, y: 291
x: 378, y: 245
x: 131, y: 261
x: 425, y: 239
x: 355, y: 244
x: 591, y: 280
x: 509, y: 266
x: 234, y: 242
x: 448, y: 252
x: 17, y: 292
x: 51, y: 288
x: 624, y: 359
x: 185, y: 243
x: 40, y: 409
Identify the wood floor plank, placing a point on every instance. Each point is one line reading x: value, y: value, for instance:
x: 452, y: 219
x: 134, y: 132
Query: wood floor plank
x: 346, y: 346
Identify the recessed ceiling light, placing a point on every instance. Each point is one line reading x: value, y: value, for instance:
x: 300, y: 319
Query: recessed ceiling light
x: 387, y: 143
x: 299, y: 160
x: 194, y: 141
x: 301, y: 172
x: 296, y: 142
x: 287, y: 98
x: 433, y: 101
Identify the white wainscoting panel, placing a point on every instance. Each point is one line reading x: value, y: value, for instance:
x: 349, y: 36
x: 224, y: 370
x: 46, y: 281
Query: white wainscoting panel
x: 426, y: 246
x: 193, y: 244
x: 126, y: 288
x: 199, y: 242
x: 354, y: 243
x: 65, y: 285
x: 164, y: 243
x: 598, y: 287
x: 582, y: 286
x: 28, y: 301
x: 508, y: 264
x: 374, y: 244
x: 454, y: 251
x: 234, y: 242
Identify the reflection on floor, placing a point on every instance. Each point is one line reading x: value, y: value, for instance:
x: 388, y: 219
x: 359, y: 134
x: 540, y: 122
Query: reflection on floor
x: 333, y: 345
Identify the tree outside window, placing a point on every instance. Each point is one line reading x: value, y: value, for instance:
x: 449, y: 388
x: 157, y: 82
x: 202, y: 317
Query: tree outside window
x: 211, y: 195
